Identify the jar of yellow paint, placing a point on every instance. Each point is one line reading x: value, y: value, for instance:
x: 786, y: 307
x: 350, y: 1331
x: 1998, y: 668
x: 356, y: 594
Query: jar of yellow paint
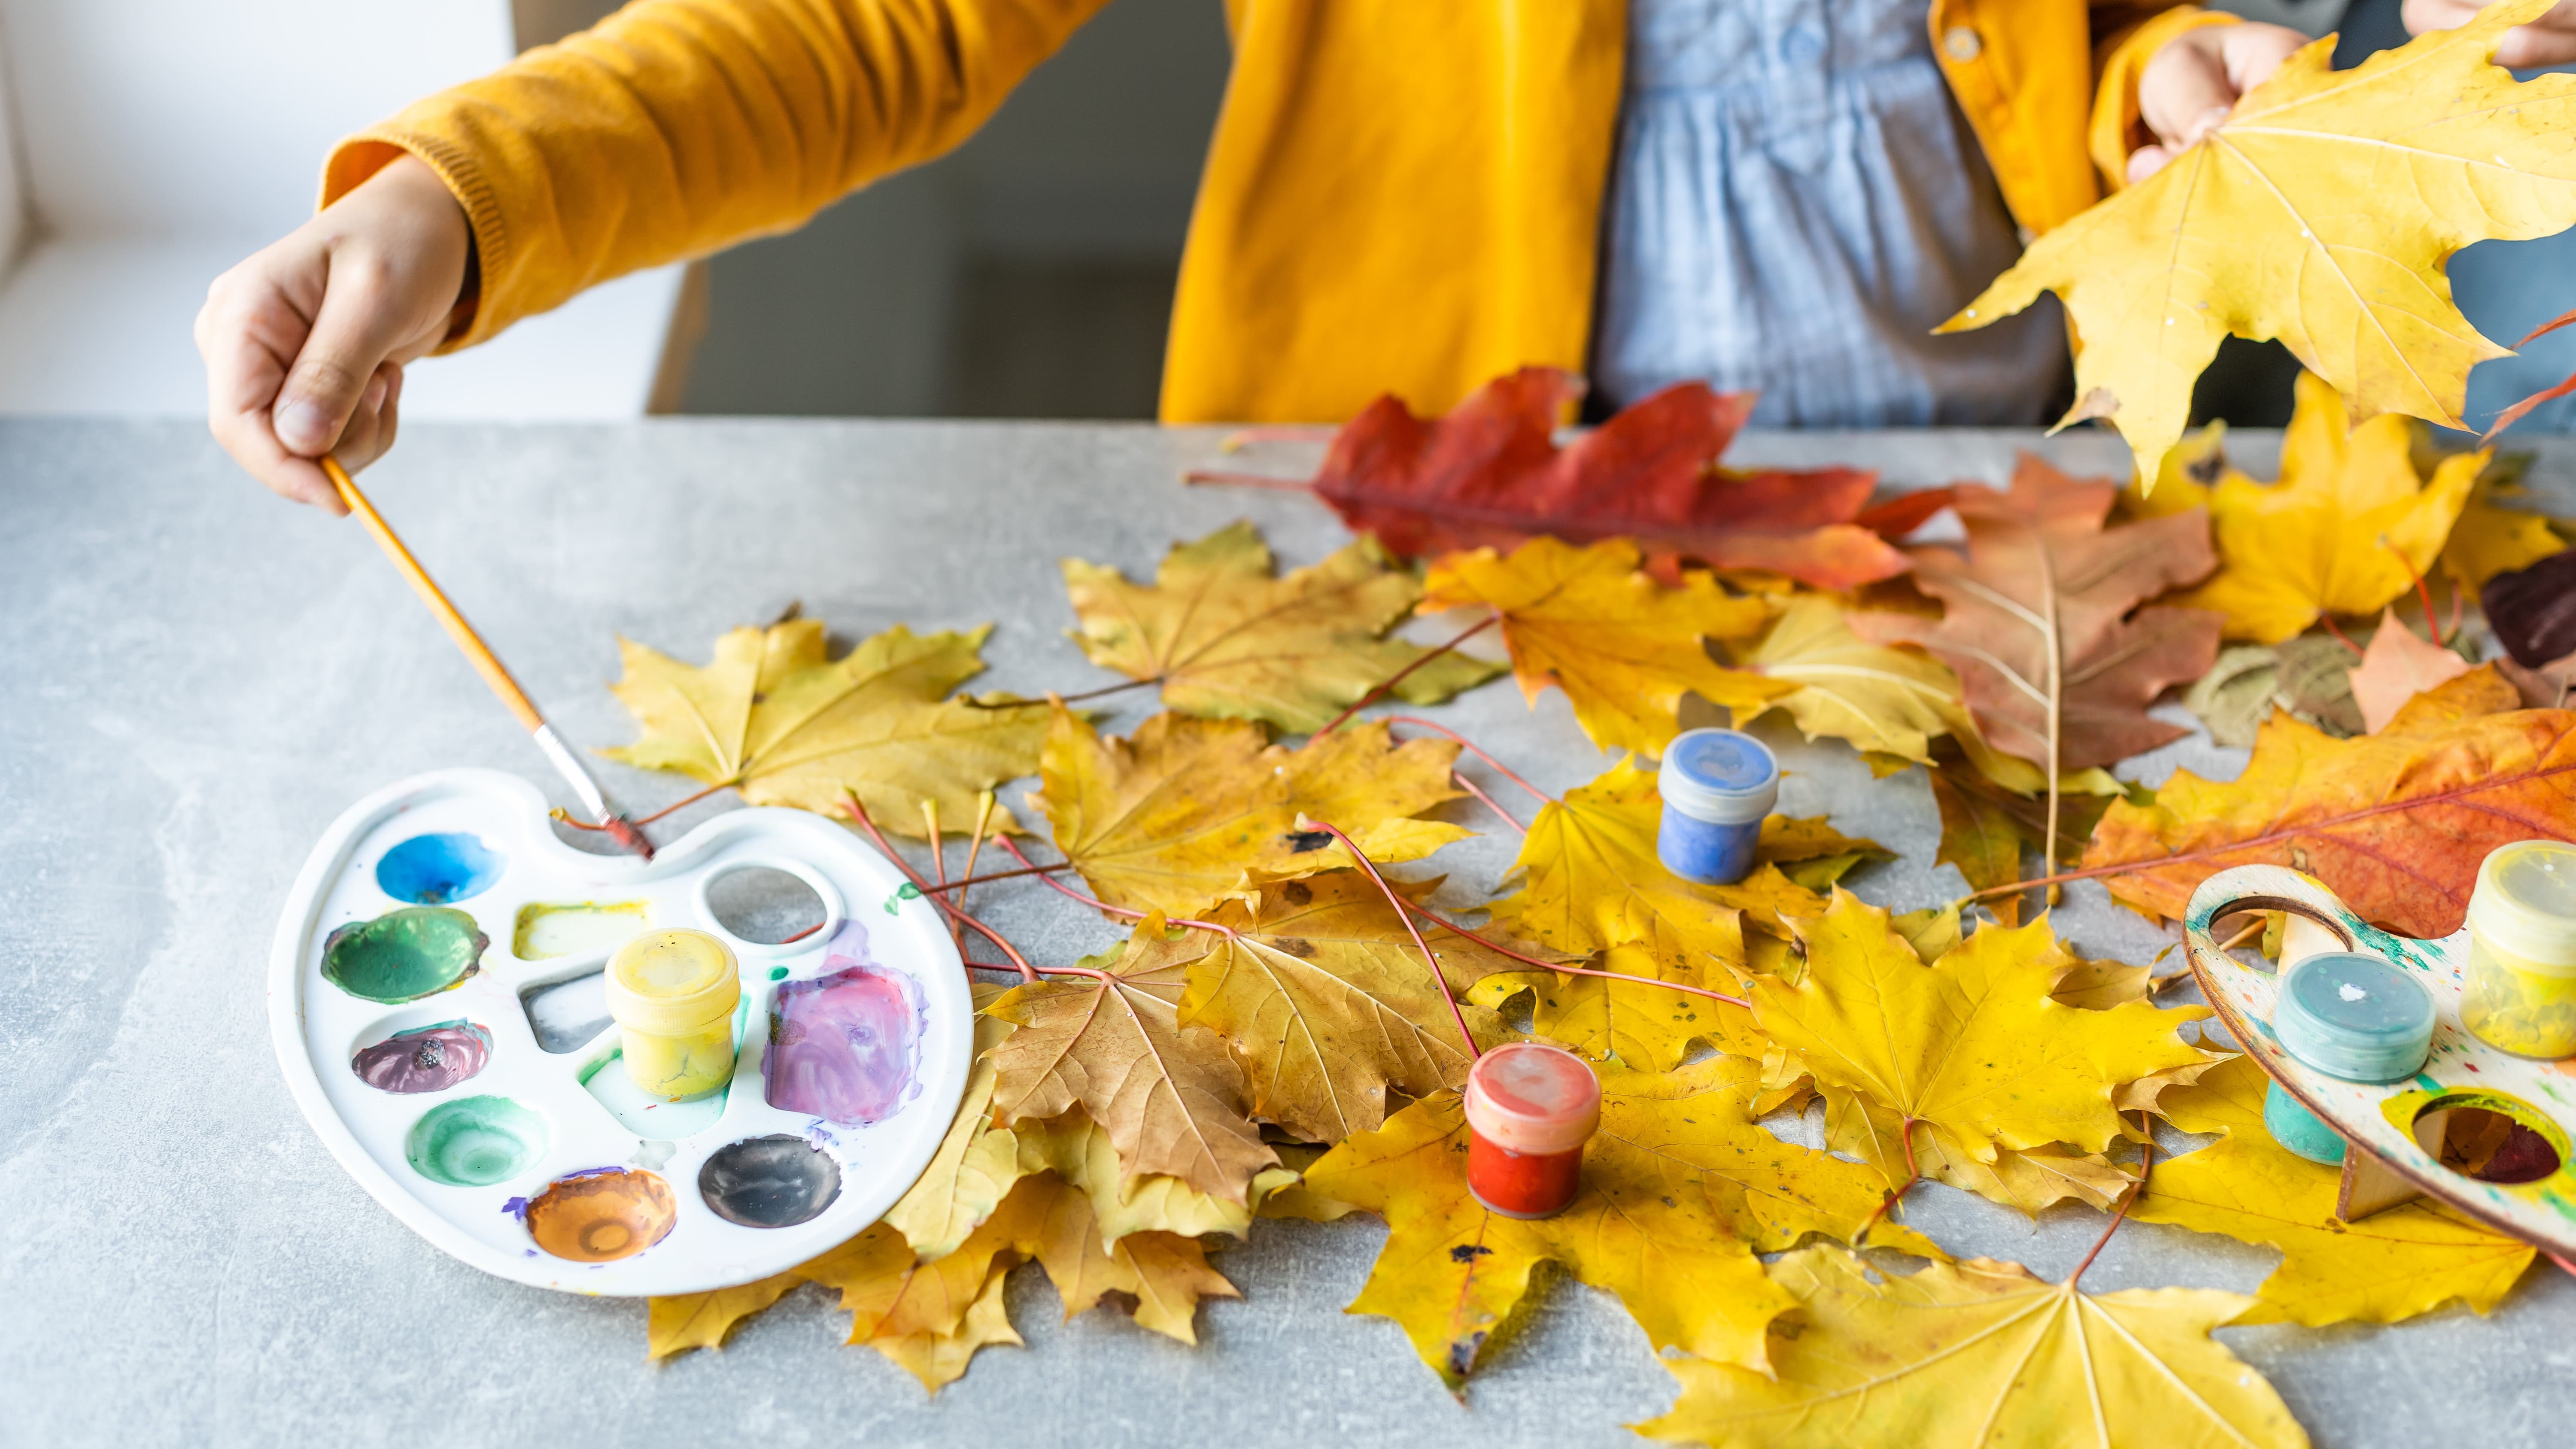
x: 2521, y: 992
x: 672, y: 993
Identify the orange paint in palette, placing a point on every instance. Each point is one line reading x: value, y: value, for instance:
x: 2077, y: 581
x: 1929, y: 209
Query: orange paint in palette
x: 1530, y: 1109
x: 441, y: 1011
x: 603, y: 1215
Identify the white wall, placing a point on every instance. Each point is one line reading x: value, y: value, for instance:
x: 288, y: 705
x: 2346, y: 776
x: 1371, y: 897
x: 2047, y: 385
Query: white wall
x: 158, y: 117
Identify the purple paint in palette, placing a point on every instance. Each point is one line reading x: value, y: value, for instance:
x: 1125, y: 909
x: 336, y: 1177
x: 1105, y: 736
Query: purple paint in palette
x: 844, y: 1046
x: 424, y: 1059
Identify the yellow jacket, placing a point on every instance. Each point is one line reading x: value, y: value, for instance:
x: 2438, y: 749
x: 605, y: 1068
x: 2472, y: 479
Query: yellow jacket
x: 1401, y: 195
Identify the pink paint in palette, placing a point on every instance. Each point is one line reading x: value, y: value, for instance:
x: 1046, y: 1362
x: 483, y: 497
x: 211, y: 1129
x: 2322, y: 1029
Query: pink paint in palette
x: 436, y: 999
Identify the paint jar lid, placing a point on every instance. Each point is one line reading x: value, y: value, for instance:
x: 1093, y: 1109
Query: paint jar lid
x: 669, y: 982
x: 2354, y: 1016
x: 2525, y: 904
x: 1723, y: 777
x: 1526, y: 1096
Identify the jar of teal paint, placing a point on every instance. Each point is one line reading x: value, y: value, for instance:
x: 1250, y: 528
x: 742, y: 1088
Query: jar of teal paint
x: 1717, y: 787
x: 2348, y: 1015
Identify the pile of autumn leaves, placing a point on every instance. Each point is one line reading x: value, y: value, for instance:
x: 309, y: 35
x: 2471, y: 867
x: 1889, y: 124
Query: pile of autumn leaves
x: 1271, y: 1041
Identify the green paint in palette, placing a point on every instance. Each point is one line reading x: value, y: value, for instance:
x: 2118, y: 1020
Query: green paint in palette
x: 475, y: 1142
x: 403, y: 955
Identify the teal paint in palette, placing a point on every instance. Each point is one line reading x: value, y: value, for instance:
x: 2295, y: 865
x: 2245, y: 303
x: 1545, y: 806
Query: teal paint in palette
x: 2350, y: 1015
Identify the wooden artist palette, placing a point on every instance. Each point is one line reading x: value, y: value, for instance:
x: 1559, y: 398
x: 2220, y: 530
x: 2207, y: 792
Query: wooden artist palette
x: 2434, y: 1134
x: 477, y: 1090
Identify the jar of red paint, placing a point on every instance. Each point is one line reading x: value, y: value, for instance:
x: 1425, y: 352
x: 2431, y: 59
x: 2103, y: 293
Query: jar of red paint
x: 1530, y: 1109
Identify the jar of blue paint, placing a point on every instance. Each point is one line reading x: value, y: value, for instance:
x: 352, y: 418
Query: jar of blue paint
x: 1717, y: 787
x: 2348, y: 1015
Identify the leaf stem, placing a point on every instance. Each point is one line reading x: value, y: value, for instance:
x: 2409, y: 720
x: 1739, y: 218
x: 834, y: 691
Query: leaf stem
x: 2422, y: 591
x: 975, y: 844
x: 1401, y: 914
x: 959, y: 885
x: 1101, y: 693
x: 1472, y: 788
x: 1247, y: 480
x: 1913, y: 1175
x: 684, y: 804
x: 2337, y: 630
x: 2146, y: 1165
x: 1392, y: 680
x: 1561, y: 968
x: 1097, y: 904
x: 1470, y: 747
x: 1028, y: 973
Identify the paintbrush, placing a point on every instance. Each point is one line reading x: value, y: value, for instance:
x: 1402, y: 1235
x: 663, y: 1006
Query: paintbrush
x: 485, y: 663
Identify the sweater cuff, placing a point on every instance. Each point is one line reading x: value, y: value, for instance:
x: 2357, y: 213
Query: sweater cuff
x: 2120, y: 61
x: 361, y: 156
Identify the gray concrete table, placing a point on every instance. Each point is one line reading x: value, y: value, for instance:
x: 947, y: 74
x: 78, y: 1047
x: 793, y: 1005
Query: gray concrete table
x: 195, y: 679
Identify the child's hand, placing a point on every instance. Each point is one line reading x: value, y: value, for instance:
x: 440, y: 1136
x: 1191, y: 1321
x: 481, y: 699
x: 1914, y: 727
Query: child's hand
x: 2550, y: 40
x: 2196, y: 79
x: 304, y: 342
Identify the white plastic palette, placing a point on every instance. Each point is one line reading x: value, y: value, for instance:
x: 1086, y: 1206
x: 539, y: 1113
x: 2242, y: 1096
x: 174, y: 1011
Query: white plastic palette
x: 2384, y: 1125
x: 574, y: 1132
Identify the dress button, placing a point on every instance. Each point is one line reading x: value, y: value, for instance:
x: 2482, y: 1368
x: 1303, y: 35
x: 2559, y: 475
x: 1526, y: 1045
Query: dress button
x: 1962, y: 43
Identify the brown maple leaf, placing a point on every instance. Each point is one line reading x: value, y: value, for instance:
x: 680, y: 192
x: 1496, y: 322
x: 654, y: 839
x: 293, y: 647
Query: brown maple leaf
x: 2041, y: 619
x: 1171, y: 1098
x: 1491, y: 475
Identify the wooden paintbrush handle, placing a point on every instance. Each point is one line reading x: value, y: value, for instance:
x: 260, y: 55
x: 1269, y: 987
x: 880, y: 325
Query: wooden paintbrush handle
x: 457, y: 629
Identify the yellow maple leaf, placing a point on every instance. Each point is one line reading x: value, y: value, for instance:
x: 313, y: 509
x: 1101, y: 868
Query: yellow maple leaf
x: 2491, y: 539
x: 1881, y: 698
x: 2320, y: 212
x: 1170, y: 818
x: 1318, y: 986
x: 1171, y: 1099
x: 1591, y: 881
x: 2339, y: 533
x: 1658, y: 1220
x: 1624, y: 648
x: 701, y: 1320
x: 1967, y: 1058
x: 774, y: 717
x: 977, y: 1163
x: 1079, y: 1153
x: 1981, y: 1353
x: 2389, y: 1266
x: 1225, y: 638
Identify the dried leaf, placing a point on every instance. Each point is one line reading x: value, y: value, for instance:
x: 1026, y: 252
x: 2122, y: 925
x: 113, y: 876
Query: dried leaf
x: 1317, y: 985
x: 1986, y: 828
x: 1490, y: 475
x: 2320, y: 212
x: 976, y: 1164
x: 1170, y: 818
x: 1624, y: 648
x: 2315, y: 685
x: 1170, y: 1099
x: 1081, y: 1155
x: 2038, y: 617
x: 2397, y: 667
x: 1981, y: 1353
x: 2396, y: 823
x: 1680, y: 1187
x: 1882, y: 700
x: 2389, y: 1266
x: 701, y: 1320
x: 2235, y: 696
x: 1971, y: 1054
x: 1227, y: 639
x: 2533, y: 610
x: 773, y: 717
x: 2350, y: 526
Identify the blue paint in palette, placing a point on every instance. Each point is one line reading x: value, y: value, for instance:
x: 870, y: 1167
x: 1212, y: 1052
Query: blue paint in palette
x: 432, y: 870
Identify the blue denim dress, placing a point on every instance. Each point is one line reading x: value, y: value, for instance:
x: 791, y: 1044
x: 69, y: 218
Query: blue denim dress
x: 1795, y: 204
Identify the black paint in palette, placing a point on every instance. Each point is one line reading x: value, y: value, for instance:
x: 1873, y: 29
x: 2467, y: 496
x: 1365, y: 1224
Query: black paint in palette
x: 775, y: 1181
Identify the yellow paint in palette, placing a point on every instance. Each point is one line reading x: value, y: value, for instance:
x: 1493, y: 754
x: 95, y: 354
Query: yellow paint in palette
x: 2520, y: 995
x: 547, y: 930
x: 673, y: 994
